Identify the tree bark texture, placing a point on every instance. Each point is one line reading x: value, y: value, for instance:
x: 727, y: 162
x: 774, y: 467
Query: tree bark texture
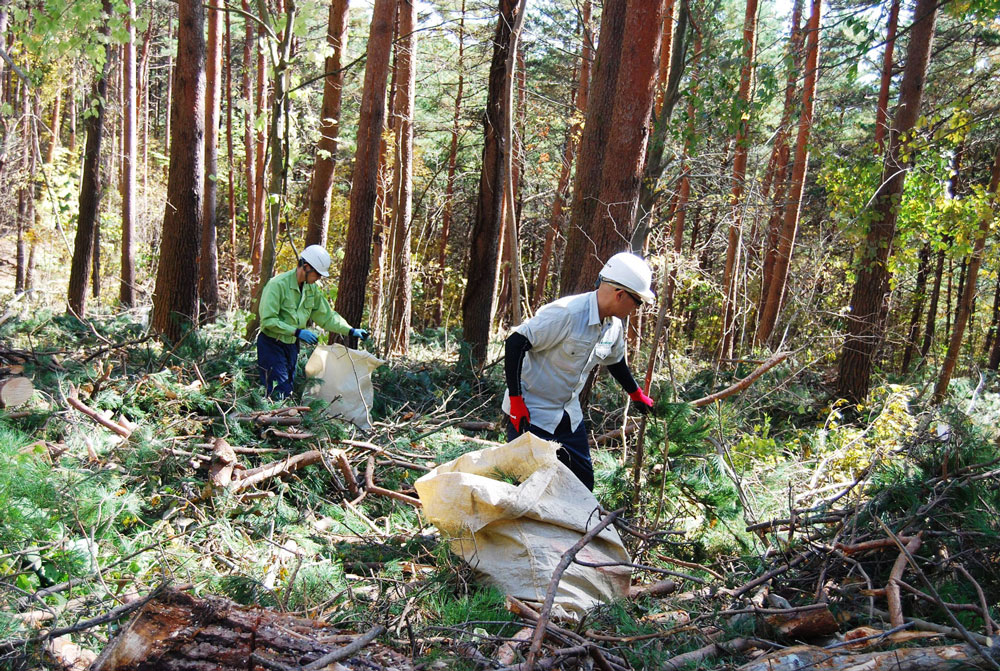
x: 209, y: 259
x: 357, y: 250
x: 178, y: 632
x: 730, y: 278
x: 569, y: 153
x: 920, y: 295
x: 90, y: 187
x: 480, y: 288
x: 402, y: 282
x: 792, y: 208
x: 882, y: 111
x: 321, y: 186
x: 968, y: 293
x: 904, y: 659
x: 932, y: 309
x: 866, y: 321
x: 126, y: 293
x: 596, y: 131
x: 614, y: 218
x: 449, y: 191
x: 175, y: 299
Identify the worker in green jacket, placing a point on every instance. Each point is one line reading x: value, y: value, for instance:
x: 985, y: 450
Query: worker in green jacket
x: 288, y: 303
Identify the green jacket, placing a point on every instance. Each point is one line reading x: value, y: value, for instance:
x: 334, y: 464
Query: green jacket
x: 284, y: 309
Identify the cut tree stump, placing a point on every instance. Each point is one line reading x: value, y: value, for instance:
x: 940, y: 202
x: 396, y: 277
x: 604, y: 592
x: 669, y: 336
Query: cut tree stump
x: 178, y: 632
x: 903, y: 659
x: 14, y: 391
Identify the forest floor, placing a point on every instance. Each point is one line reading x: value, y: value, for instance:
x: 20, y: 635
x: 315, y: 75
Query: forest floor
x: 156, y: 485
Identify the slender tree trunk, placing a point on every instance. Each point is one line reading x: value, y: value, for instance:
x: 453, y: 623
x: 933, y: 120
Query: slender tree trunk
x: 208, y: 288
x: 126, y: 293
x: 786, y: 241
x: 357, y: 251
x: 95, y: 261
x: 569, y: 153
x: 90, y: 187
x: 449, y: 194
x: 72, y: 112
x: 778, y: 163
x: 260, y: 162
x: 249, y: 154
x: 50, y: 152
x: 480, y: 289
x: 994, y: 361
x: 170, y: 83
x: 321, y: 187
x: 866, y: 321
x: 968, y: 293
x: 920, y: 294
x: 731, y: 273
x: 402, y: 290
x: 175, y: 299
x: 510, y: 178
x: 882, y: 112
x: 231, y: 171
x: 994, y: 328
x: 932, y: 309
x: 25, y: 196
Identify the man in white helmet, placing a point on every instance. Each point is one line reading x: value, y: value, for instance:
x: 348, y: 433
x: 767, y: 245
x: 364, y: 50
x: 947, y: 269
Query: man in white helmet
x: 288, y: 303
x: 548, y: 358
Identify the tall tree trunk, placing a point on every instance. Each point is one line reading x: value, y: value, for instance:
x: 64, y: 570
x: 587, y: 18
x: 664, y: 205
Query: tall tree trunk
x: 402, y: 290
x: 437, y: 317
x: 321, y: 186
x: 249, y: 154
x: 208, y: 288
x: 932, y: 309
x: 731, y: 273
x: 613, y: 222
x: 72, y: 113
x: 126, y: 292
x: 175, y: 299
x: 50, y: 152
x: 510, y: 171
x: 90, y: 186
x: 869, y: 301
x: 357, y: 251
x: 480, y: 288
x: 590, y: 162
x: 882, y: 112
x: 994, y: 327
x: 778, y: 163
x: 231, y: 171
x: 968, y: 293
x: 26, y: 195
x: 920, y: 294
x: 569, y: 153
x: 786, y: 240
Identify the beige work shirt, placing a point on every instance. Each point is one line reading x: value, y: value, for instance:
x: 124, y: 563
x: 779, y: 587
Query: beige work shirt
x: 568, y: 339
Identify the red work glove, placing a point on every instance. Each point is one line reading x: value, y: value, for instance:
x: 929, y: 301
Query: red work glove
x: 519, y: 416
x: 642, y: 402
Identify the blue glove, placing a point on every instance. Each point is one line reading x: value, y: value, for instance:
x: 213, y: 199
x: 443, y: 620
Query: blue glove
x: 307, y: 336
x: 361, y: 334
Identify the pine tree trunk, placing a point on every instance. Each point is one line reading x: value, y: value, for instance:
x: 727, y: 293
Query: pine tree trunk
x: 511, y: 171
x: 968, y: 293
x: 402, y: 290
x: 920, y: 294
x: 613, y: 222
x: 593, y: 142
x: 126, y: 293
x: 731, y: 273
x: 208, y: 288
x: 90, y: 188
x: 866, y: 321
x: 232, y: 172
x: 786, y: 240
x: 882, y: 111
x: 357, y: 251
x: 321, y: 186
x: 932, y: 309
x: 992, y: 331
x: 449, y: 194
x: 175, y: 299
x: 480, y: 290
x: 50, y: 152
x: 249, y: 155
x: 569, y: 153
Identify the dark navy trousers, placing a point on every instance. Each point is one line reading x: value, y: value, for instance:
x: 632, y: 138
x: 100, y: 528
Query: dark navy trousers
x: 575, y: 450
x: 276, y: 365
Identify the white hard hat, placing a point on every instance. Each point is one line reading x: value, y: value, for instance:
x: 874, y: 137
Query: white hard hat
x: 629, y: 272
x: 318, y: 258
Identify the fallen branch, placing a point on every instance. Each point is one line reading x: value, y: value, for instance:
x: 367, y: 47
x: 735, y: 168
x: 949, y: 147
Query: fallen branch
x: 710, y: 651
x: 550, y: 595
x: 903, y: 659
x: 261, y: 473
x: 371, y: 487
x: 111, y: 425
x: 895, y: 576
x: 744, y: 383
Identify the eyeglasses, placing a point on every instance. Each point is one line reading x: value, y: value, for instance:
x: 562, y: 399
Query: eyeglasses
x: 638, y: 301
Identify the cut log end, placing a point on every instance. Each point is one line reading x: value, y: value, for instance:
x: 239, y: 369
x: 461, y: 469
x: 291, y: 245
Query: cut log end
x: 15, y: 391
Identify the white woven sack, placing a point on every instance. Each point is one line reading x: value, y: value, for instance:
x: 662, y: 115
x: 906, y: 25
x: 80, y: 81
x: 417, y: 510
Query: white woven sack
x: 515, y: 535
x: 343, y: 377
